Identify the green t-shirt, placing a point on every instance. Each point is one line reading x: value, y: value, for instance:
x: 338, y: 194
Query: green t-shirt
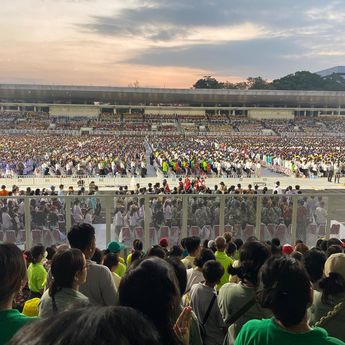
x: 267, y: 332
x: 37, y: 277
x: 10, y: 322
x: 225, y: 262
x: 120, y: 270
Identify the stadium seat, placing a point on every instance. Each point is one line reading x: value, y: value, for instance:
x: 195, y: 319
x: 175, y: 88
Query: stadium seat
x: 125, y: 235
x: 153, y: 236
x: 237, y: 230
x: 22, y: 236
x: 312, y: 229
x: 335, y: 230
x: 194, y: 231
x: 228, y: 228
x: 10, y: 236
x: 36, y: 236
x: 272, y: 229
x: 281, y: 233
x: 174, y: 235
x: 265, y: 235
x: 216, y: 230
x: 47, y: 237
x: 248, y: 231
x: 322, y: 230
x: 164, y: 232
x: 206, y: 232
x: 56, y: 236
x: 139, y: 233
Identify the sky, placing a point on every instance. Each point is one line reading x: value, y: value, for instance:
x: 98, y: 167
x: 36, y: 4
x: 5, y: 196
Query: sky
x: 166, y: 43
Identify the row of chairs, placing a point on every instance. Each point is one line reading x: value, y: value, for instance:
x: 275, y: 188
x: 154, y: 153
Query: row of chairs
x: 45, y: 236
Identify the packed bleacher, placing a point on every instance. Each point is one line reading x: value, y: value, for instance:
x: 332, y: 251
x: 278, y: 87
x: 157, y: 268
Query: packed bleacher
x: 213, y: 289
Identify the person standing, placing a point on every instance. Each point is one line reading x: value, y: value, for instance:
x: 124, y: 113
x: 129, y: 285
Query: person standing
x: 223, y: 259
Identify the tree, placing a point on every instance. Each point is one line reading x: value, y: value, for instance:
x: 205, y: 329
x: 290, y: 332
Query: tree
x: 257, y: 83
x: 207, y: 82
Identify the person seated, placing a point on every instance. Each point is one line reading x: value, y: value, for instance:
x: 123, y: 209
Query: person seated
x: 69, y: 271
x: 285, y: 289
x: 13, y: 277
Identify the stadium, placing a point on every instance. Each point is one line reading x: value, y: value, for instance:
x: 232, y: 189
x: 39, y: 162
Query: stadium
x: 153, y: 168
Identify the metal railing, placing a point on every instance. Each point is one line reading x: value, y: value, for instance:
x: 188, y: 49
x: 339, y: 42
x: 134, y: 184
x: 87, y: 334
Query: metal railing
x: 28, y: 220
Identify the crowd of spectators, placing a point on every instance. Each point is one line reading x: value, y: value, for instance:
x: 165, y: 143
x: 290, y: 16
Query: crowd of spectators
x: 220, y: 291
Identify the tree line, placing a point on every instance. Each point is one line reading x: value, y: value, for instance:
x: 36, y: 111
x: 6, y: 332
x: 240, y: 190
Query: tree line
x: 302, y: 80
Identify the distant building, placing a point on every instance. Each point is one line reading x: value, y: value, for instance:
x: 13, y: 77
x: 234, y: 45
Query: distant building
x: 340, y: 70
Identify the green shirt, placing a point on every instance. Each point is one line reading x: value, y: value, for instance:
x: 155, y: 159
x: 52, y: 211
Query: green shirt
x: 225, y: 262
x: 267, y: 332
x: 37, y: 277
x: 10, y: 322
x: 120, y: 270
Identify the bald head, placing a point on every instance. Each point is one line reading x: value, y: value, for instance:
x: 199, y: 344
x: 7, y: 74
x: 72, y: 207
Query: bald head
x: 220, y: 243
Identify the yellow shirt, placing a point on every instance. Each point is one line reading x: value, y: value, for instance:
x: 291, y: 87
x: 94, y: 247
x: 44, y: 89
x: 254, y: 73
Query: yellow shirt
x: 225, y: 262
x: 37, y: 277
x: 120, y: 270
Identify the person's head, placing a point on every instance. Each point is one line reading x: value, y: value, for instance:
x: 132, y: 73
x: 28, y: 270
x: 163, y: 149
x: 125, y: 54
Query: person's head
x: 137, y: 245
x: 314, y: 261
x: 276, y: 242
x: 302, y: 248
x: 333, y: 282
x: 37, y: 253
x: 82, y: 236
x: 297, y: 256
x: 287, y: 249
x: 252, y: 256
x: 285, y: 289
x: 212, y: 272
x: 220, y: 243
x: 175, y: 251
x: 204, y: 256
x: 231, y: 249
x: 192, y: 245
x: 98, y: 256
x: 50, y: 252
x: 180, y: 272
x: 239, y: 243
x: 212, y: 245
x: 228, y: 236
x: 136, y: 255
x: 89, y: 326
x: 111, y: 261
x: 157, y: 251
x: 12, y: 273
x: 334, y: 242
x: 151, y: 287
x: 334, y: 249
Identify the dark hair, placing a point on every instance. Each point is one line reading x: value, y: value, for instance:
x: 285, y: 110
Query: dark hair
x: 51, y: 252
x: 157, y: 251
x: 65, y: 265
x: 239, y: 243
x: 334, y: 249
x: 36, y: 252
x: 136, y: 255
x: 297, y: 256
x: 212, y: 271
x: 331, y: 286
x: 138, y: 245
x: 88, y: 326
x: 151, y: 287
x: 333, y: 241
x: 175, y: 251
x: 81, y: 236
x: 276, y: 242
x: 204, y: 256
x: 231, y: 248
x: 302, y: 248
x: 180, y: 272
x: 192, y: 244
x: 111, y: 260
x: 98, y: 256
x: 252, y: 257
x: 284, y: 289
x: 12, y: 271
x: 314, y: 261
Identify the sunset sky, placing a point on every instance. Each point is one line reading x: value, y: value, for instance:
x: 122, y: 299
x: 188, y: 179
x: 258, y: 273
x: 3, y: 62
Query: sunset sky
x: 166, y: 43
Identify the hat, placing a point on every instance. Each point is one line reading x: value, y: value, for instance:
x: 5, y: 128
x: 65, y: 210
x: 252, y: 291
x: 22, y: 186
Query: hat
x: 335, y: 264
x: 163, y: 242
x: 287, y: 249
x: 115, y: 247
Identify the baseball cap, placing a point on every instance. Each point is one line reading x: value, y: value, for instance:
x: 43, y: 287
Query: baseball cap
x: 115, y: 247
x: 287, y: 249
x: 335, y: 264
x: 163, y: 242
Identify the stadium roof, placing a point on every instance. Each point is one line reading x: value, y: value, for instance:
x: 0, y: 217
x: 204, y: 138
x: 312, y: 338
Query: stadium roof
x: 135, y: 96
